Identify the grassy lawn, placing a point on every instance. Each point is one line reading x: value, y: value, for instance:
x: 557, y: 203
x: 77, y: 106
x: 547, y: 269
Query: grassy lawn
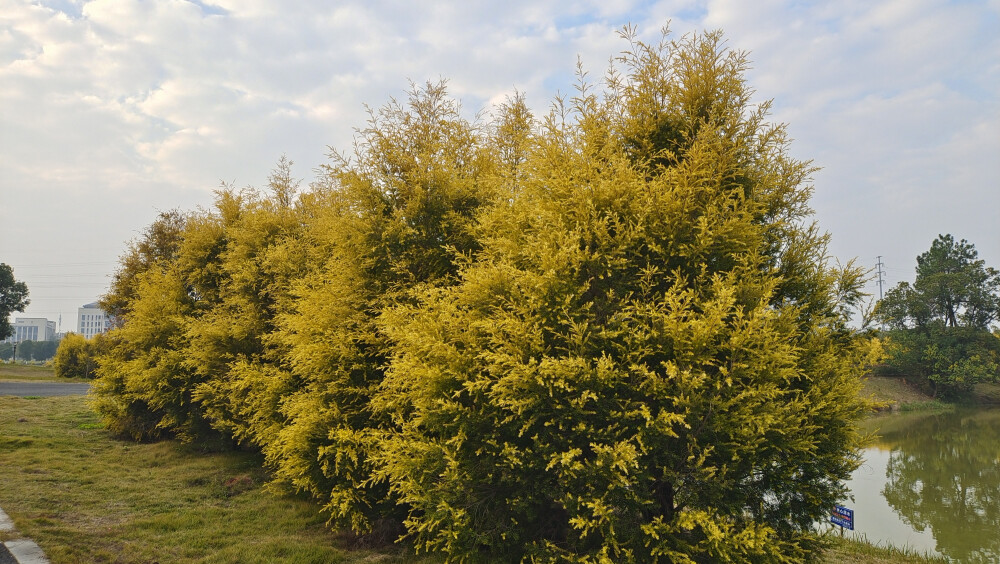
x: 85, y: 496
x: 32, y: 373
x: 28, y: 373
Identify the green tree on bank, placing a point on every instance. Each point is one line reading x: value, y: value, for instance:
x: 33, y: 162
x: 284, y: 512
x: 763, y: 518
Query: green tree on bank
x: 609, y: 334
x: 939, y: 327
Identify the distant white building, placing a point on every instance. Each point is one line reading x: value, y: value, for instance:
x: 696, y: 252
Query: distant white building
x: 91, y: 320
x: 32, y: 329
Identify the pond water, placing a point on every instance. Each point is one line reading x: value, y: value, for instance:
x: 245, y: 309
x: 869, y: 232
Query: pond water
x: 931, y: 482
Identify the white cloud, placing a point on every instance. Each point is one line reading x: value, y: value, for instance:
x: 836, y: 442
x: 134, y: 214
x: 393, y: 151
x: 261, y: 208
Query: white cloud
x: 895, y: 101
x: 136, y: 106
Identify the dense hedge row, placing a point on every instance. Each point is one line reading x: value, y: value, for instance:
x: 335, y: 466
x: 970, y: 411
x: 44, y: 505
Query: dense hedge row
x: 609, y: 333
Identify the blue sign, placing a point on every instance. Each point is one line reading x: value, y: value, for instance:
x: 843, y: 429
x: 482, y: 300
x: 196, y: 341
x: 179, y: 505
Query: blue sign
x: 842, y: 516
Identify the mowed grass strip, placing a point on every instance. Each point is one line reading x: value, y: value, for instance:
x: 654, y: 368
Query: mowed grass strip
x: 85, y: 496
x: 29, y: 373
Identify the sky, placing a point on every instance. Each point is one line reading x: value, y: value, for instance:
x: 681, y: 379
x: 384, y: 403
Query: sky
x: 112, y: 111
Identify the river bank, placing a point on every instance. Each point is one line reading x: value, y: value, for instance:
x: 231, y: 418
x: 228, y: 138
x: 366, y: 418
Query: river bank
x: 929, y: 480
x: 853, y: 551
x: 898, y: 394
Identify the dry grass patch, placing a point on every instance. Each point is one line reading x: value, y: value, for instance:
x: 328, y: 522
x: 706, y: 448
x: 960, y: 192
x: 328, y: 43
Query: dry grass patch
x: 987, y: 394
x: 32, y: 373
x: 28, y: 372
x: 893, y: 391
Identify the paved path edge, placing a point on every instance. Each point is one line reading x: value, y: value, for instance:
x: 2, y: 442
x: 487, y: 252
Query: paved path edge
x: 24, y: 551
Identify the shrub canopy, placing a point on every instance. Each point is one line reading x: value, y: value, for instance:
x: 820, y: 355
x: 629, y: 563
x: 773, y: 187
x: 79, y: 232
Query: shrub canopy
x: 648, y: 360
x: 607, y: 334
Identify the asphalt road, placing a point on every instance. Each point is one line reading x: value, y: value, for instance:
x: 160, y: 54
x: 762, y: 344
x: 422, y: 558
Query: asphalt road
x: 5, y: 556
x: 42, y: 388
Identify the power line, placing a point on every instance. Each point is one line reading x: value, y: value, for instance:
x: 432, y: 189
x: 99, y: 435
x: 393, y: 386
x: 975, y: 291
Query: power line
x: 73, y: 275
x: 63, y: 264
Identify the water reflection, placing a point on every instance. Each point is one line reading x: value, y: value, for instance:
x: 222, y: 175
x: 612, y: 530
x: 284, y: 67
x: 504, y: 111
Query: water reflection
x: 943, y: 475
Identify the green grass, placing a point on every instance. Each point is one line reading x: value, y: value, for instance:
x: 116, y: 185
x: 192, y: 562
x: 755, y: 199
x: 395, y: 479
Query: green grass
x: 84, y: 496
x: 929, y: 405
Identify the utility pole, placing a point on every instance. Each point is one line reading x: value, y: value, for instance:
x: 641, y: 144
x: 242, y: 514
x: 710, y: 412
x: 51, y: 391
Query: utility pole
x: 880, y: 272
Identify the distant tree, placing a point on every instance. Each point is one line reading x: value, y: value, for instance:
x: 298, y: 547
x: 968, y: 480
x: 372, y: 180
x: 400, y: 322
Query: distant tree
x: 76, y: 356
x: 939, y: 327
x: 13, y: 297
x: 46, y: 350
x: 38, y: 351
x: 25, y: 350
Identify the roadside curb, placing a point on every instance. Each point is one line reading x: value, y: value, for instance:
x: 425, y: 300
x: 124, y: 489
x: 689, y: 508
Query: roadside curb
x: 23, y: 551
